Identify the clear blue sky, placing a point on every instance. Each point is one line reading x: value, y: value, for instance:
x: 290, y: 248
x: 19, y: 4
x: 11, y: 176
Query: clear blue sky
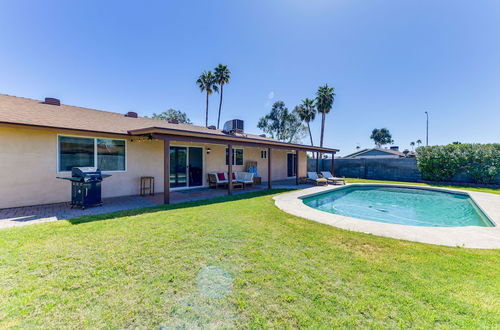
x: 389, y: 61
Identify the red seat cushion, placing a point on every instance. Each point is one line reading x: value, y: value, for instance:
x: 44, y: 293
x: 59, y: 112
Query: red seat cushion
x: 221, y: 176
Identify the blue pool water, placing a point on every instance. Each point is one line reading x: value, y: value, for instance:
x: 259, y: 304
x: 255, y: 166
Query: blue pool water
x: 405, y: 206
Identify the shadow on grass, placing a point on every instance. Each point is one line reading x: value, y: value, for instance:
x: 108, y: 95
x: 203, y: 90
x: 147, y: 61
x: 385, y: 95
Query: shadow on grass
x: 153, y: 209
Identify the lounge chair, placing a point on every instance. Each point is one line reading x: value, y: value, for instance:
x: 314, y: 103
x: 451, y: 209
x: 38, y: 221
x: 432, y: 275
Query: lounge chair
x: 313, y: 177
x: 244, y: 177
x: 331, y: 179
x: 217, y: 179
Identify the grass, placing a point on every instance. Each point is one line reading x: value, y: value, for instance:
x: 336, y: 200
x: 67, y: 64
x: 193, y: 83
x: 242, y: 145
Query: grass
x: 236, y: 262
x: 480, y: 189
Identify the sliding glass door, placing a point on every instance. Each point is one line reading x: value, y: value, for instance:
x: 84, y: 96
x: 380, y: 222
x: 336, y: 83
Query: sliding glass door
x: 178, y: 167
x: 186, y: 167
x: 195, y: 159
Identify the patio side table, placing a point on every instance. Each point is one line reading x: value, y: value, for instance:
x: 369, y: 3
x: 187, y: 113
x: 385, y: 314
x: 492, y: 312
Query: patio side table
x: 147, y: 185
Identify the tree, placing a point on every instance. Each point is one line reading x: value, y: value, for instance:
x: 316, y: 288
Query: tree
x: 381, y: 137
x: 412, y: 144
x: 325, y: 97
x: 282, y: 124
x: 207, y: 83
x: 172, y: 114
x: 222, y: 77
x: 307, y: 113
x: 419, y: 142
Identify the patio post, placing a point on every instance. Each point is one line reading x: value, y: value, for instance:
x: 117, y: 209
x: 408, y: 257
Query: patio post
x: 166, y: 171
x: 297, y: 153
x: 333, y: 163
x: 230, y: 169
x: 269, y: 180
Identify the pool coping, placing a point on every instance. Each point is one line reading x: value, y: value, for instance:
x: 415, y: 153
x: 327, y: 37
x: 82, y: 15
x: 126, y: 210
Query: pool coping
x: 468, y: 237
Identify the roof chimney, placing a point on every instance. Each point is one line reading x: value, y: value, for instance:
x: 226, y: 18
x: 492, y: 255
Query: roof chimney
x: 173, y: 121
x: 131, y: 114
x: 211, y: 127
x: 52, y: 101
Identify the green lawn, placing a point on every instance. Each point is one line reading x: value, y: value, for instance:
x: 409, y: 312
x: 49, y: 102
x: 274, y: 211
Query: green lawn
x: 236, y: 262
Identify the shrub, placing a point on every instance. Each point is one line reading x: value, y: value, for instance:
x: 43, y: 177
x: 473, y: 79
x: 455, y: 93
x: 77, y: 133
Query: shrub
x: 441, y: 163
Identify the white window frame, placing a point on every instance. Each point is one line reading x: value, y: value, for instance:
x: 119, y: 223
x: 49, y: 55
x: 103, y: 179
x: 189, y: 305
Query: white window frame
x: 204, y: 184
x: 234, y: 160
x: 95, y: 151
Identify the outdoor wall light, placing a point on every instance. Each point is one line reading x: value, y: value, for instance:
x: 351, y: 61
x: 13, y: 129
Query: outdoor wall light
x: 209, y: 151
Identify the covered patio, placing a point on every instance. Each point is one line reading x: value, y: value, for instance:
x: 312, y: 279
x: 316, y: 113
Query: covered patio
x: 171, y: 137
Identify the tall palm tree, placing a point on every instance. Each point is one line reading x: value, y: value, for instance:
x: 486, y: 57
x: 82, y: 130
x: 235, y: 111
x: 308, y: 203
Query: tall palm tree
x: 222, y: 77
x: 412, y: 144
x: 419, y: 142
x: 325, y: 97
x: 207, y: 83
x: 307, y: 113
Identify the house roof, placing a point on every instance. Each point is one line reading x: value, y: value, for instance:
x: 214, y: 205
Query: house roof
x: 30, y: 112
x: 388, y: 151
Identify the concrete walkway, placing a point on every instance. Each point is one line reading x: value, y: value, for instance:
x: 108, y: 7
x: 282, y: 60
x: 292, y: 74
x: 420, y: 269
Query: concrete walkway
x: 468, y: 236
x: 28, y: 215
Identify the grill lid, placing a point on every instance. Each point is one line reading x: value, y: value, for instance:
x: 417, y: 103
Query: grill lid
x: 85, y: 171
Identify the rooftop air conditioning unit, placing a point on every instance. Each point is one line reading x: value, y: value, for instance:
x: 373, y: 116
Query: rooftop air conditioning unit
x: 234, y: 126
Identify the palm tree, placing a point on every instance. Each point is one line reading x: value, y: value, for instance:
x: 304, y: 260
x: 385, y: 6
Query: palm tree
x: 222, y: 77
x: 325, y: 97
x: 207, y: 83
x: 307, y: 113
x: 419, y: 142
x: 412, y: 144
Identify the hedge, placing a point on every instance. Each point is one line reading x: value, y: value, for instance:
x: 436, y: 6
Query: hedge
x: 441, y: 163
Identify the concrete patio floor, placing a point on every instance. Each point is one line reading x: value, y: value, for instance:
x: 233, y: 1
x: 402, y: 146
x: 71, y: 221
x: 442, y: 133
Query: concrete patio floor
x: 22, y: 216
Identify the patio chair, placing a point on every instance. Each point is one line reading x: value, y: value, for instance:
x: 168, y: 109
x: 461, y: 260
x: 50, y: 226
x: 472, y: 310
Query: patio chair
x: 244, y: 177
x: 217, y: 179
x: 331, y: 179
x: 313, y: 177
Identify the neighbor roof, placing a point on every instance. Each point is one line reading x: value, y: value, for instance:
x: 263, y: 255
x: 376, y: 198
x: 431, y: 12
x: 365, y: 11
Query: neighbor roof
x: 30, y: 112
x: 389, y: 151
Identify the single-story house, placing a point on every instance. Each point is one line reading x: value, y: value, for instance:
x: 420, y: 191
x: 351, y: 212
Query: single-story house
x: 40, y: 140
x: 393, y: 152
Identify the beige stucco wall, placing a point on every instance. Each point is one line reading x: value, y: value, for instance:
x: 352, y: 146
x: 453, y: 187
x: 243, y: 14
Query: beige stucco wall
x: 28, y: 167
x: 215, y: 161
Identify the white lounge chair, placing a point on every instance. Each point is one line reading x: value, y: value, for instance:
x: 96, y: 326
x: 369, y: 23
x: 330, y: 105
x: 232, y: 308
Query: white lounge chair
x: 313, y: 177
x: 331, y: 179
x: 244, y: 177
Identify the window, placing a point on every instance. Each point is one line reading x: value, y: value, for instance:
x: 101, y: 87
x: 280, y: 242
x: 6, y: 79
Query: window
x: 106, y: 154
x: 263, y: 154
x: 75, y: 152
x: 111, y: 155
x: 237, y: 157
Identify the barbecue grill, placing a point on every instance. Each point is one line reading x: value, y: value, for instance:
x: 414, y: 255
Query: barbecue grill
x: 85, y: 186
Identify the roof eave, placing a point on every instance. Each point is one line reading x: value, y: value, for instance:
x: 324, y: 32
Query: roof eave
x: 235, y: 139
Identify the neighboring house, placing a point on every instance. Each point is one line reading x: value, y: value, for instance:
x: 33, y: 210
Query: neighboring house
x: 42, y: 140
x: 377, y: 153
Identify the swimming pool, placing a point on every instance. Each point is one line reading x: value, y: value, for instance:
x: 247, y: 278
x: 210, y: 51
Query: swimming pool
x: 401, y: 205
